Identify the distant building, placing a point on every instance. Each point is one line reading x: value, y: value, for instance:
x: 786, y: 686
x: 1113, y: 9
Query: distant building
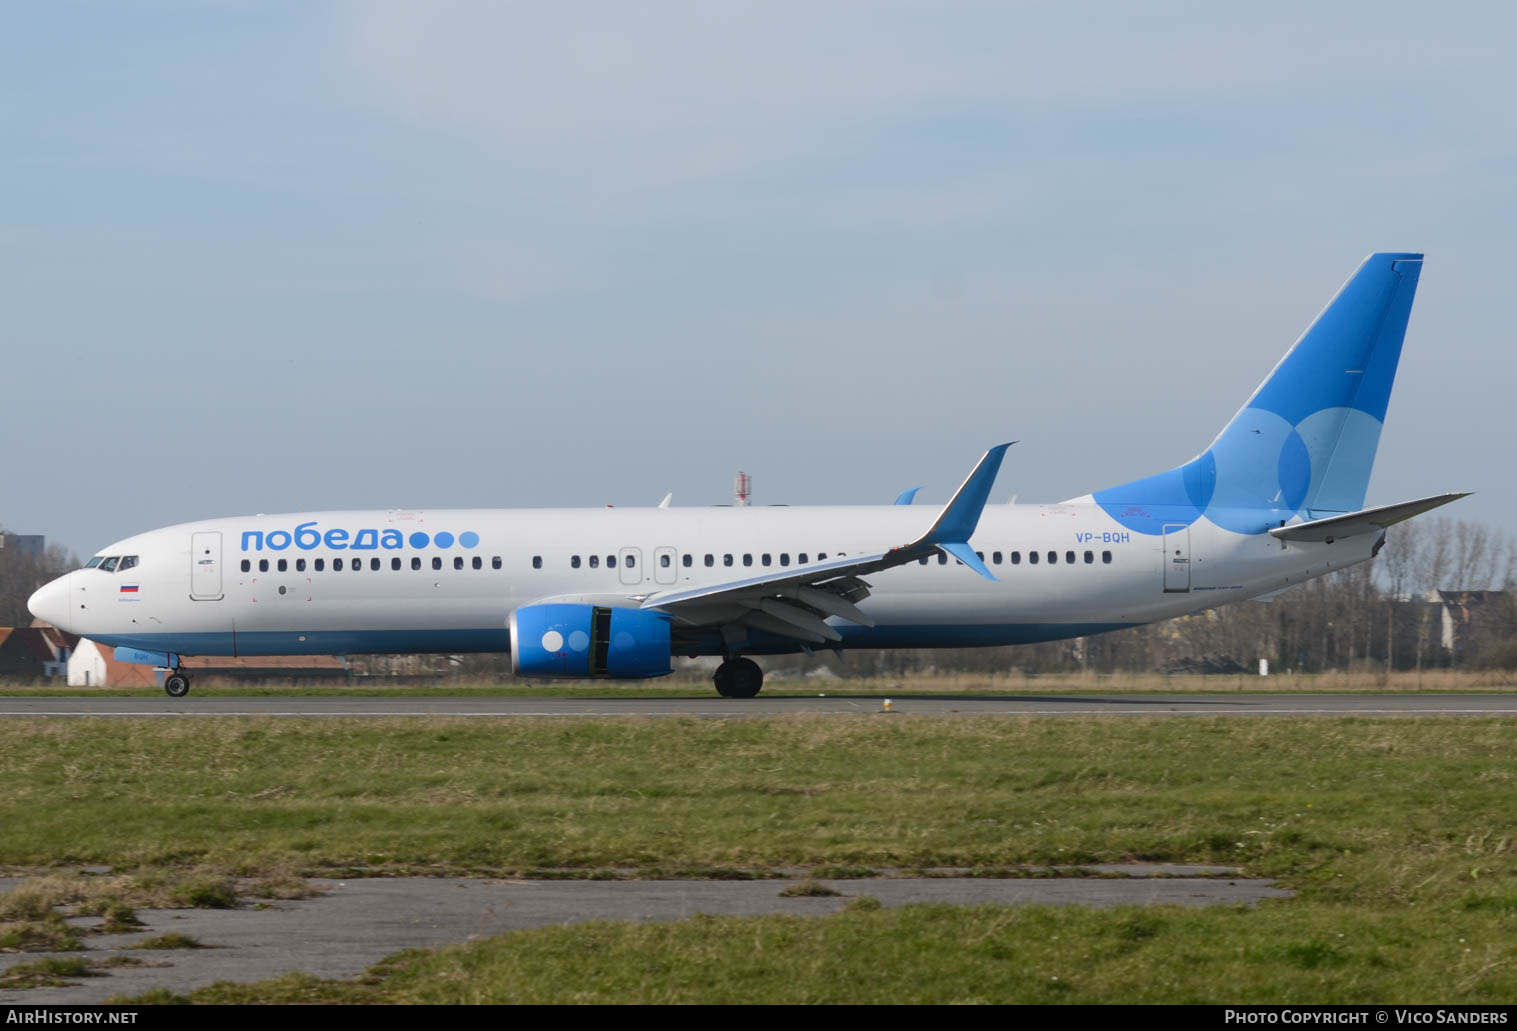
x: 94, y: 665
x: 27, y: 545
x: 1472, y: 619
x: 37, y: 652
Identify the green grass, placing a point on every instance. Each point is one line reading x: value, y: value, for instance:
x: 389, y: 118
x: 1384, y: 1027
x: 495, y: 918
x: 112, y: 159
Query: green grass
x: 173, y: 940
x: 246, y: 796
x: 1399, y: 835
x: 940, y: 954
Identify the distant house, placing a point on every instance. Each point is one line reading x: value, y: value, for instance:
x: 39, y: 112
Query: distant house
x: 94, y: 665
x: 36, y: 652
x: 1472, y: 619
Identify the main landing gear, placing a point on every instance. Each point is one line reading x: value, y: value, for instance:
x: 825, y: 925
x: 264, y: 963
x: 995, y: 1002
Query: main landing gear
x: 176, y: 684
x: 738, y: 678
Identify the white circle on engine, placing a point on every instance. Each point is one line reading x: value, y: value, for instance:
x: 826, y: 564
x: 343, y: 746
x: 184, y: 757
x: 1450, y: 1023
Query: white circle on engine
x: 579, y: 641
x: 552, y: 641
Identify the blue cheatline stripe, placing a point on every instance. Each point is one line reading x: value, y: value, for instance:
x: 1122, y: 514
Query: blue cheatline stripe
x: 497, y: 639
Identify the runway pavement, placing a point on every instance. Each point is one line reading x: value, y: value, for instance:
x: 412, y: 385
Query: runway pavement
x: 904, y: 705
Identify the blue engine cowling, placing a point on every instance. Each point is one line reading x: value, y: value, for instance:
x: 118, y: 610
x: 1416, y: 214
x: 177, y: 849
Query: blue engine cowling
x: 588, y: 641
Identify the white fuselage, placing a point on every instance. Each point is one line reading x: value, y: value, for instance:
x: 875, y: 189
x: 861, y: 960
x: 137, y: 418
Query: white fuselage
x: 286, y: 584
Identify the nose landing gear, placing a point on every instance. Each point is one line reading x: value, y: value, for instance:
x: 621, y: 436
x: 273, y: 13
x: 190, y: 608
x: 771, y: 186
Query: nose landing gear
x: 738, y: 678
x: 176, y: 684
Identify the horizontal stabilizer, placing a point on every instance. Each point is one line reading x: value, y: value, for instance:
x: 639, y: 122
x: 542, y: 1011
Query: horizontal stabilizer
x: 1370, y: 520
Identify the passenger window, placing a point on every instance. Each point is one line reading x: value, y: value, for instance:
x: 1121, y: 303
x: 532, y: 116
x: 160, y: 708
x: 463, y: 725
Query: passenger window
x: 479, y: 563
x: 458, y: 561
x: 631, y: 560
x: 127, y: 562
x: 356, y: 565
x: 710, y: 560
x: 663, y: 561
x: 495, y: 562
x: 109, y: 565
x: 319, y: 564
x: 995, y: 558
x: 394, y: 564
x: 801, y: 559
x: 373, y: 563
x: 610, y: 561
x: 784, y: 558
x: 415, y: 563
x: 594, y: 561
x: 263, y: 565
x: 1069, y: 557
x: 437, y: 562
x: 765, y: 558
x: 247, y: 567
x: 300, y: 565
x: 727, y: 560
x: 337, y: 564
x: 688, y: 559
x: 942, y: 559
x: 1016, y: 558
x: 537, y: 561
x: 284, y: 566
x: 1053, y: 557
x: 574, y: 562
x: 1090, y: 557
x: 1032, y: 558
x: 1106, y: 557
x: 747, y: 560
x: 821, y: 556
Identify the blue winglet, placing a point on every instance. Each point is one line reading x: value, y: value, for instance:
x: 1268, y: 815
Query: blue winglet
x: 965, y: 554
x: 907, y: 496
x: 961, y: 515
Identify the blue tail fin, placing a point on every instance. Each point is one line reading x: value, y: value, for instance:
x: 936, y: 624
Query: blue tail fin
x: 1305, y: 442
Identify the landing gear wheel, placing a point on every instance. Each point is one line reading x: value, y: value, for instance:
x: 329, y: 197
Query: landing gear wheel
x: 738, y: 678
x: 177, y: 685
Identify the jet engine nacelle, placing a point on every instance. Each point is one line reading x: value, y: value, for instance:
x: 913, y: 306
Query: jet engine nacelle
x: 588, y: 641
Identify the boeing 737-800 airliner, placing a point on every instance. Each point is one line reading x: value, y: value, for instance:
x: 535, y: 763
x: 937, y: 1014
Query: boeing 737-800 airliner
x: 614, y: 592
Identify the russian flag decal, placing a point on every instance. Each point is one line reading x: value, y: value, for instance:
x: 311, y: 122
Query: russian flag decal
x: 128, y: 588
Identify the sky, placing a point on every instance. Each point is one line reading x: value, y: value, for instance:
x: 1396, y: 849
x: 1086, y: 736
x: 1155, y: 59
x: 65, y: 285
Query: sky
x: 264, y: 257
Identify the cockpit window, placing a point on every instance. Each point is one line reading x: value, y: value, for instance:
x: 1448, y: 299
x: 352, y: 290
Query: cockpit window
x: 109, y: 565
x: 127, y: 562
x: 92, y: 563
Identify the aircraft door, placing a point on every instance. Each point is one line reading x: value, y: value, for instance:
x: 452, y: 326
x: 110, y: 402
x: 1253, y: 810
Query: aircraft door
x: 630, y: 562
x: 205, y: 566
x: 1176, y: 558
x: 665, y: 565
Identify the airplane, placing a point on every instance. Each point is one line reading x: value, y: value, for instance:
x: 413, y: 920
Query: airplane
x: 1276, y: 499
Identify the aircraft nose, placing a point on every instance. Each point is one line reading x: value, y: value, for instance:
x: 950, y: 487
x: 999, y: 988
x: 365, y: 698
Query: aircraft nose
x: 51, y: 602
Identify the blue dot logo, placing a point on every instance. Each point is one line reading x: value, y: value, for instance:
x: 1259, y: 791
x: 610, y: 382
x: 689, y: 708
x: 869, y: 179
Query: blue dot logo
x: 443, y: 540
x: 418, y: 539
x: 468, y: 539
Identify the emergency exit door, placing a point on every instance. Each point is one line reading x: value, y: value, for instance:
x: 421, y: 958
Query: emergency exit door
x: 205, y: 566
x: 1176, y: 559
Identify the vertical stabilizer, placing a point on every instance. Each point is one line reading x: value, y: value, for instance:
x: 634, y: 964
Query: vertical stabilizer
x: 1305, y: 441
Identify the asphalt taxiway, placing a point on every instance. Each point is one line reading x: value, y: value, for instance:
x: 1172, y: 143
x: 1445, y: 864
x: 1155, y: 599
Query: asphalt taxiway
x: 356, y: 923
x: 1111, y: 704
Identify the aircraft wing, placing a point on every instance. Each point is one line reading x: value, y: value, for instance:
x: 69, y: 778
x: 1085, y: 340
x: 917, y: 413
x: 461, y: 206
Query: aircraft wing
x: 796, y: 602
x: 1370, y: 520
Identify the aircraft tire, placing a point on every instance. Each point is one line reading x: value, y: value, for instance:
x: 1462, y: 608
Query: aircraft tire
x: 739, y: 678
x: 176, y: 685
